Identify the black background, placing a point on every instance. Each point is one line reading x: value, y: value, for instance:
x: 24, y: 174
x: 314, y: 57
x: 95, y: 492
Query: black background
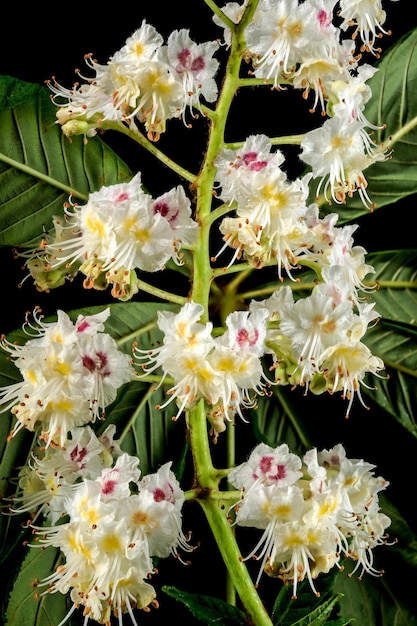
x: 37, y: 44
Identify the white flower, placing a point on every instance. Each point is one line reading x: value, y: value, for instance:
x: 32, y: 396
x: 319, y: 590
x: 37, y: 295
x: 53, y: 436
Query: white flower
x: 237, y: 166
x: 139, y: 48
x: 280, y: 28
x: 115, y: 481
x: 193, y: 66
x: 194, y: 378
x: 368, y: 17
x: 110, y: 538
x: 70, y: 374
x: 234, y: 11
x: 165, y: 536
x: 238, y: 373
x: 132, y: 85
x: 267, y: 466
x: 344, y: 366
x: 82, y: 109
x: 183, y: 333
x: 338, y: 152
x: 313, y: 324
x: 160, y: 98
x: 270, y: 209
x: 108, y: 367
x: 223, y: 370
x: 313, y: 73
x: 175, y: 207
x: 91, y: 324
x: 349, y: 96
x: 119, y: 230
x: 51, y: 476
x: 246, y: 331
x: 311, y: 511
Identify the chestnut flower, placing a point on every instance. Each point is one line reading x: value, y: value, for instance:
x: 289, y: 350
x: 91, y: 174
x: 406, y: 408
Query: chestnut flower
x: 52, y: 474
x: 115, y: 524
x: 312, y: 510
x: 143, y: 82
x: 119, y: 230
x: 70, y: 374
x: 224, y: 370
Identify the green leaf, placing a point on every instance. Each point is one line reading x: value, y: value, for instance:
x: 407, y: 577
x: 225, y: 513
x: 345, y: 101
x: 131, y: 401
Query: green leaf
x: 147, y: 432
x: 14, y: 92
x: 393, y: 104
x: 373, y: 602
x: 396, y: 277
x: 40, y: 167
x: 207, y: 609
x: 13, y: 453
x: 306, y: 606
x: 396, y: 393
x: 406, y: 538
x: 317, y: 617
x: 24, y: 608
x: 393, y: 338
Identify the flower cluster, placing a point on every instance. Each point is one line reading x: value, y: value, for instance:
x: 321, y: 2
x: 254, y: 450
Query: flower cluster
x: 302, y: 45
x: 288, y: 43
x: 274, y: 222
x: 111, y: 524
x: 271, y: 211
x: 145, y: 81
x: 313, y: 511
x: 223, y: 370
x: 314, y: 342
x: 53, y: 473
x: 120, y: 229
x: 70, y: 373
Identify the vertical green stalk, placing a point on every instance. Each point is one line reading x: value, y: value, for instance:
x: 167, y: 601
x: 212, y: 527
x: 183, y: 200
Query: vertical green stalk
x: 206, y: 476
x: 203, y: 184
x: 239, y: 575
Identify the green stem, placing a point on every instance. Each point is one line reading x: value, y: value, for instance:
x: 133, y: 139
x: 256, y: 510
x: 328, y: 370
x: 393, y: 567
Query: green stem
x: 291, y: 140
x: 231, y: 300
x: 150, y: 147
x: 231, y: 446
x: 269, y: 290
x: 217, y: 11
x: 234, y: 284
x: 207, y: 478
x: 226, y: 542
x: 404, y: 130
x: 396, y: 284
x: 204, y: 183
x: 219, y: 212
x: 161, y: 293
x: 236, y: 267
x: 205, y: 474
x: 259, y: 82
